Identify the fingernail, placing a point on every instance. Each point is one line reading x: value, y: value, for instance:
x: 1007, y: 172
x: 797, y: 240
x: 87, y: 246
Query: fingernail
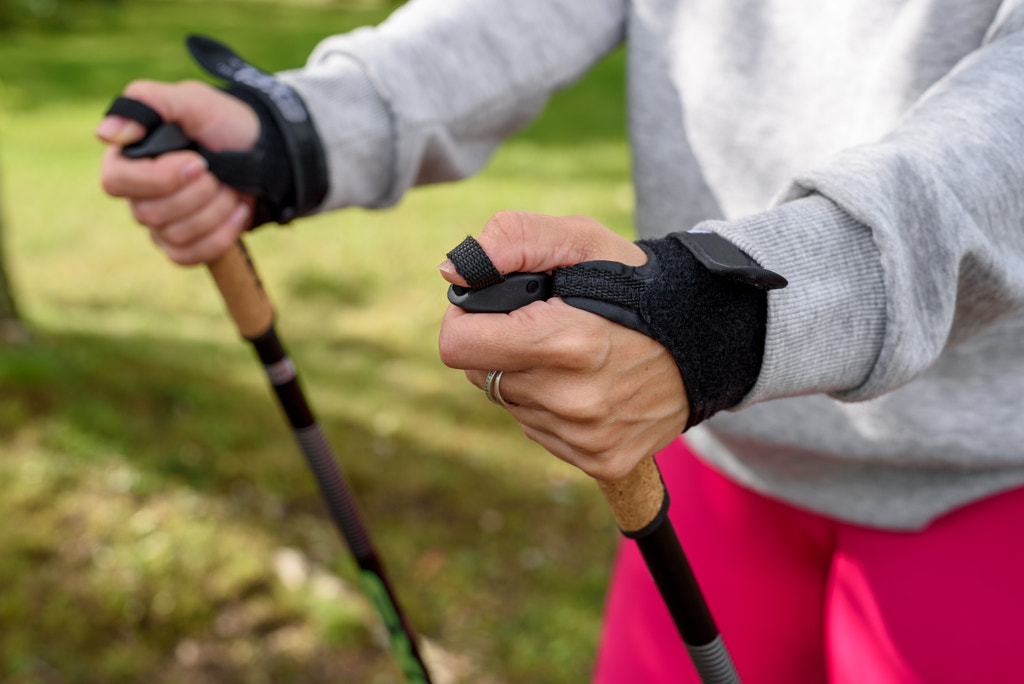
x: 110, y: 127
x: 194, y: 168
x: 120, y: 131
x: 240, y: 215
x: 448, y: 267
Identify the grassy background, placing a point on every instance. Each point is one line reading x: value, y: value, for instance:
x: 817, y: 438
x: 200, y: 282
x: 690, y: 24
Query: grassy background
x: 156, y: 520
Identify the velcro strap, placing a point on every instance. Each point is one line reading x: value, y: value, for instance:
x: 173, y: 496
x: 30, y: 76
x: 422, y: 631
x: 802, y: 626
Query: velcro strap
x: 474, y: 265
x: 607, y: 288
x: 606, y: 281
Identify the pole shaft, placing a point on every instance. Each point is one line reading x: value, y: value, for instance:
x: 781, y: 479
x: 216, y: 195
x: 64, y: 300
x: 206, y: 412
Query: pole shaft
x: 253, y: 314
x: 243, y: 292
x: 639, y: 502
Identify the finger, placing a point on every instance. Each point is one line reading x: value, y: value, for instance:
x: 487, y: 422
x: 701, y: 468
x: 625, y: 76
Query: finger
x: 478, y: 378
x: 207, y: 115
x: 449, y: 273
x: 187, y: 202
x: 117, y: 130
x: 561, y: 449
x: 607, y: 466
x: 149, y: 178
x: 504, y: 387
x: 163, y: 98
x: 523, y: 241
x: 213, y: 243
x: 543, y: 334
x: 206, y: 219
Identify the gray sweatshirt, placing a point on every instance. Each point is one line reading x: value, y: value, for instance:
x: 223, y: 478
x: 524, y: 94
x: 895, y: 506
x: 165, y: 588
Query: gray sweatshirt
x: 870, y: 151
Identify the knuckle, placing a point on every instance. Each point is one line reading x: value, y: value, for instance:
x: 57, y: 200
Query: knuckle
x: 581, y: 239
x: 178, y: 235
x: 177, y: 255
x: 219, y: 243
x: 576, y: 350
x: 181, y: 257
x: 589, y: 443
x: 109, y: 181
x: 599, y: 458
x: 507, y: 226
x: 447, y: 349
x: 580, y: 404
x: 610, y: 470
x: 149, y: 214
x: 139, y: 88
x: 185, y: 258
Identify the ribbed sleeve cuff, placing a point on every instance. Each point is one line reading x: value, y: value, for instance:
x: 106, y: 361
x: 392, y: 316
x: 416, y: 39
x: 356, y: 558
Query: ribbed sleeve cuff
x: 825, y: 330
x: 352, y: 113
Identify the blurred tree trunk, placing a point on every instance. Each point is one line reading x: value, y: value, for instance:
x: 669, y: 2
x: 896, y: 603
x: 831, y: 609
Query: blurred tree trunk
x: 11, y: 327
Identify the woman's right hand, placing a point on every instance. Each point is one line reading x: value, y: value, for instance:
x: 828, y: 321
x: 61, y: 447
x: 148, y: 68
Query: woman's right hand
x: 190, y: 214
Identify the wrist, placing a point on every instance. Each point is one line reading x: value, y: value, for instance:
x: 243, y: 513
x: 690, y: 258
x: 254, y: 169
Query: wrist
x: 286, y: 170
x: 713, y: 325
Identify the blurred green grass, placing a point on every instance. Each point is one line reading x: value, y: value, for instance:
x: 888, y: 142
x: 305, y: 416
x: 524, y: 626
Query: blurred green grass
x: 158, y: 522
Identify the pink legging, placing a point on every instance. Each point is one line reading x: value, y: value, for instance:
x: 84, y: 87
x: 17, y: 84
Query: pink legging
x: 802, y: 599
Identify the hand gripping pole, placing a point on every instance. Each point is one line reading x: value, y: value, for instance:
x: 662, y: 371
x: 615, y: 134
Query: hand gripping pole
x: 253, y: 314
x: 639, y: 501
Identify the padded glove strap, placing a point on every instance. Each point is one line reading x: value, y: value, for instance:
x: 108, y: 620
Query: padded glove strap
x: 286, y: 170
x: 701, y: 298
x: 289, y: 155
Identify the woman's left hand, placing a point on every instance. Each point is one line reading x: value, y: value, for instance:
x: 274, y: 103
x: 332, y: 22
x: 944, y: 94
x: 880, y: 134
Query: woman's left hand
x: 594, y: 393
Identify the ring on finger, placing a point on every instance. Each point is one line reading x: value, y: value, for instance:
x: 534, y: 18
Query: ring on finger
x: 492, y: 388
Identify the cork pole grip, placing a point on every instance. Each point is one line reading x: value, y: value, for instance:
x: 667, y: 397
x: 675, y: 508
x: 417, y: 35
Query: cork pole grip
x: 637, y: 498
x: 240, y: 286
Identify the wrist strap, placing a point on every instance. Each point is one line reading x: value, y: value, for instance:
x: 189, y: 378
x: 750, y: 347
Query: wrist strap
x: 284, y: 118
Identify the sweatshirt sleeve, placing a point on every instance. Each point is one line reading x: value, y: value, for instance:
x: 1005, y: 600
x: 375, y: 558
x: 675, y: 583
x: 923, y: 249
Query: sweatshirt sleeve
x: 427, y: 95
x: 899, y: 249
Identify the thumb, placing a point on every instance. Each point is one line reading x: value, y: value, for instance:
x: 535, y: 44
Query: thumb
x: 207, y: 115
x: 119, y: 130
x: 522, y: 241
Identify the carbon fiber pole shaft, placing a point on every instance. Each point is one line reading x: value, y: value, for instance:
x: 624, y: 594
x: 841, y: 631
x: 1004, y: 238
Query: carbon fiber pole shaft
x: 640, y: 504
x: 253, y: 315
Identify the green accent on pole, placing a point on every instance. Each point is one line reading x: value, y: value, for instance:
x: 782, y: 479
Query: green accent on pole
x: 401, y: 647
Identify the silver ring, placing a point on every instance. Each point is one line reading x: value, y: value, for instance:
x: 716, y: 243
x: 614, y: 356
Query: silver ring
x: 492, y: 388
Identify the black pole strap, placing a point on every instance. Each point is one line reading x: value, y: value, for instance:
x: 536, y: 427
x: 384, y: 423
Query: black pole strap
x: 136, y: 111
x: 474, y: 265
x: 282, y: 112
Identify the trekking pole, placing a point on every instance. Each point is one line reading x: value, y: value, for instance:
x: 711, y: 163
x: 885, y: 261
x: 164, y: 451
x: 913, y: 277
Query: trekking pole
x: 639, y: 502
x: 253, y: 315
